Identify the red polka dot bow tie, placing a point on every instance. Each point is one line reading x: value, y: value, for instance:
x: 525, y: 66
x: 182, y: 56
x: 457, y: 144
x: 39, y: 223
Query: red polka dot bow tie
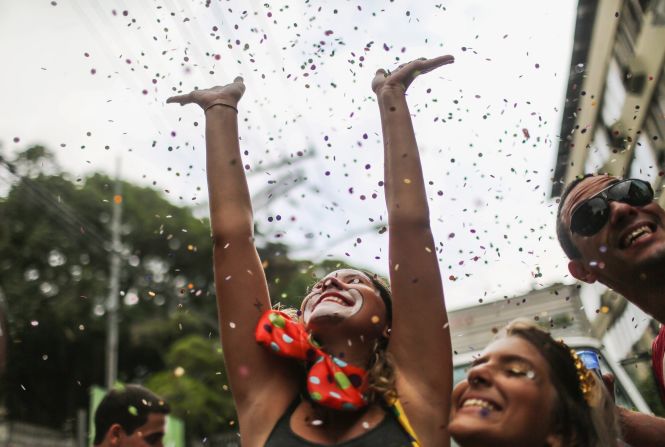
x: 331, y: 382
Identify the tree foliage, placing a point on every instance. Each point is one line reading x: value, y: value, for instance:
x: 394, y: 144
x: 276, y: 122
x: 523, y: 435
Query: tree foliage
x: 195, y: 384
x: 54, y: 277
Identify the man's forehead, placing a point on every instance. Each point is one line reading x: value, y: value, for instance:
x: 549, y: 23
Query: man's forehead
x: 155, y: 422
x: 588, y: 187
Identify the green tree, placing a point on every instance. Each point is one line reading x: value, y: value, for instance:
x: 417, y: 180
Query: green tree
x: 54, y: 278
x: 54, y: 258
x: 195, y: 384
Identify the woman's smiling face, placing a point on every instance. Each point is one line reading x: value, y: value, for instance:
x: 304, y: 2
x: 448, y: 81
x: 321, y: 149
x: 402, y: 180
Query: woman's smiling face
x: 341, y: 295
x: 507, y: 399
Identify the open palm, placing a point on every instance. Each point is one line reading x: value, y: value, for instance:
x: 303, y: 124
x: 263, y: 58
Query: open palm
x: 405, y: 74
x: 228, y: 94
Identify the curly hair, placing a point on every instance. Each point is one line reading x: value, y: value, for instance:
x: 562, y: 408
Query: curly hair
x: 579, y: 423
x: 380, y: 370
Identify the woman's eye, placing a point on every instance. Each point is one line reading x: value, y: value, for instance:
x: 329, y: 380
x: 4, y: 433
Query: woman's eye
x: 354, y: 281
x: 520, y: 372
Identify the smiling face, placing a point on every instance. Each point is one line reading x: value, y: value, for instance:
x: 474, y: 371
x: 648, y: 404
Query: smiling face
x: 508, y: 398
x: 630, y: 245
x: 343, y: 295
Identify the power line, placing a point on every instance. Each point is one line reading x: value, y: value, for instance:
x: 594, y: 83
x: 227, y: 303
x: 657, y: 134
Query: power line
x: 75, y: 223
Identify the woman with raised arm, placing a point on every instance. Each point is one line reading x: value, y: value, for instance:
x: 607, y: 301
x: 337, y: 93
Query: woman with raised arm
x: 360, y: 366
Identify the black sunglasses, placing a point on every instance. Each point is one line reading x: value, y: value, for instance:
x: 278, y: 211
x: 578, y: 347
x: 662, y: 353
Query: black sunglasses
x: 591, y: 215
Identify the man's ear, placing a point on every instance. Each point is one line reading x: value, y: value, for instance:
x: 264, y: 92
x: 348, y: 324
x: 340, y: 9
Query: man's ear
x: 580, y: 271
x: 113, y: 435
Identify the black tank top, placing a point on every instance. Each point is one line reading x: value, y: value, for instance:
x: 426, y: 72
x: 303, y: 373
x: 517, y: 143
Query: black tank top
x: 389, y: 433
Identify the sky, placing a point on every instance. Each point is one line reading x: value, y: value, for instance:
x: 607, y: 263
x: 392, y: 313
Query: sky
x: 89, y: 80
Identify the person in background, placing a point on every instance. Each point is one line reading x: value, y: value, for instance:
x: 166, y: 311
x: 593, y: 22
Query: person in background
x: 613, y: 232
x: 130, y: 416
x: 527, y: 389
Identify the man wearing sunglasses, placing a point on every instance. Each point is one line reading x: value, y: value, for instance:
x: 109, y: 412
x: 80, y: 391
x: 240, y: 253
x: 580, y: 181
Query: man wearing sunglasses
x: 613, y: 231
x: 131, y: 416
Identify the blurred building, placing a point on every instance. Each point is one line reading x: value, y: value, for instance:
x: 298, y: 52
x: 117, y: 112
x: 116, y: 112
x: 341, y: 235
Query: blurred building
x: 614, y: 121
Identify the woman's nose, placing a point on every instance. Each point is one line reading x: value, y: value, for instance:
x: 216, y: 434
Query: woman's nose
x: 480, y: 375
x: 332, y: 282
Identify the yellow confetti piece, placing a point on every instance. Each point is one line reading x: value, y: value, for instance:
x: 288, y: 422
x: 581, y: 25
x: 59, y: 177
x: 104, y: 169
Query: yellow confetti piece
x: 407, y: 181
x: 375, y: 319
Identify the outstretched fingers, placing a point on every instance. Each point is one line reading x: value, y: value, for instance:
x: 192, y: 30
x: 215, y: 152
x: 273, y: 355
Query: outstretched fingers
x: 181, y: 99
x: 404, y: 75
x: 228, y: 94
x: 427, y: 65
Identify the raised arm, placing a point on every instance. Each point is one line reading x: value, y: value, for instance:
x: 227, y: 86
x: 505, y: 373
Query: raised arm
x: 242, y: 290
x: 420, y: 338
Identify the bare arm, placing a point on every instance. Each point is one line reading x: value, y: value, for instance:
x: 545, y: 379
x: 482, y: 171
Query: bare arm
x: 242, y: 290
x: 641, y: 430
x: 420, y: 338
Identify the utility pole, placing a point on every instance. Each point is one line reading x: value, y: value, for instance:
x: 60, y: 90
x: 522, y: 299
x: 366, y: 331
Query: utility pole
x: 114, y: 286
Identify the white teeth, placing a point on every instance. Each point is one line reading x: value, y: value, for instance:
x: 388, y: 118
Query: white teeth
x: 334, y: 299
x: 636, y: 234
x: 478, y: 403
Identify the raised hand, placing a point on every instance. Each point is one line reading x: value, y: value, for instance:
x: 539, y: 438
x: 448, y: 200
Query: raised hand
x: 401, y: 78
x: 228, y: 95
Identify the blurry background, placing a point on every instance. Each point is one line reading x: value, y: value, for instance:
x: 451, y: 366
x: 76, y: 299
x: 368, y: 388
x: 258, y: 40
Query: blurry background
x: 536, y: 87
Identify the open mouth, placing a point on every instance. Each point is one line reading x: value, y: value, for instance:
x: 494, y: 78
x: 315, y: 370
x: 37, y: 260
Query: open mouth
x: 480, y: 403
x: 334, y: 297
x: 636, y: 235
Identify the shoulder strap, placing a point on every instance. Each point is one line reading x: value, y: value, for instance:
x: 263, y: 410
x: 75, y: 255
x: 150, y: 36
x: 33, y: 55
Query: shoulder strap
x: 398, y: 411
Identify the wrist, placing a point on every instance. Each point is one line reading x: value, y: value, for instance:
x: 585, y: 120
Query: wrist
x: 391, y: 92
x: 223, y: 105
